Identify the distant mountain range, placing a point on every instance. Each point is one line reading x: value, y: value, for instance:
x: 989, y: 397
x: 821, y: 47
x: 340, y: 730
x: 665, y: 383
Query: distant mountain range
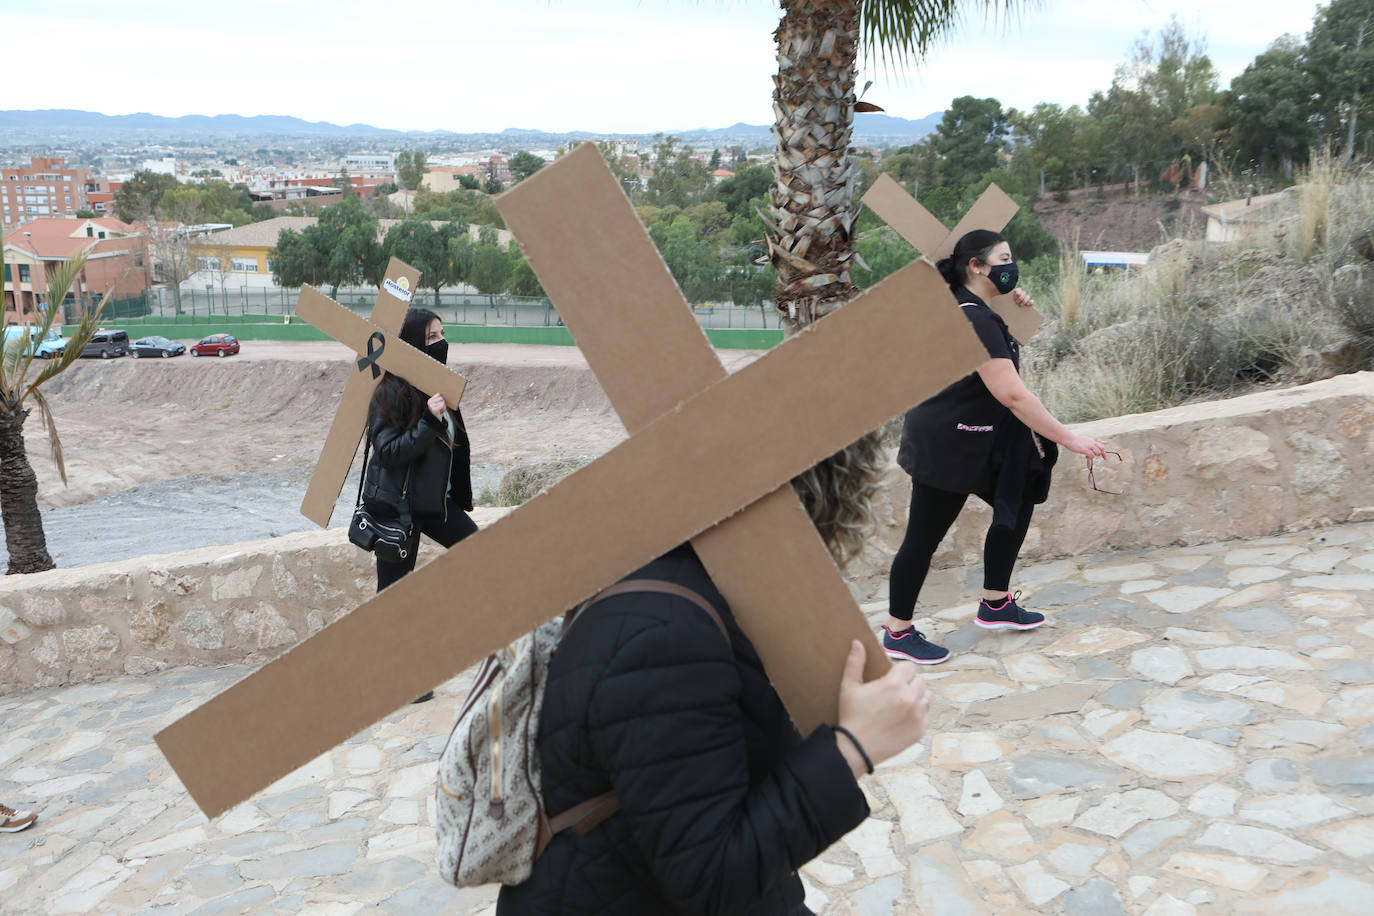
x: 876, y: 129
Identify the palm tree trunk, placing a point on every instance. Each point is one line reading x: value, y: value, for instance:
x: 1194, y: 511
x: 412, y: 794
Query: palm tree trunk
x: 813, y: 189
x: 813, y: 213
x: 24, y: 539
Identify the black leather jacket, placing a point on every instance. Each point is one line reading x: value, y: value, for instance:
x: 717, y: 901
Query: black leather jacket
x: 420, y: 463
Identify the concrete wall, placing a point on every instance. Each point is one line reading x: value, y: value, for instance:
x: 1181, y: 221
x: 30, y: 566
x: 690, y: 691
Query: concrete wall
x: 1245, y: 467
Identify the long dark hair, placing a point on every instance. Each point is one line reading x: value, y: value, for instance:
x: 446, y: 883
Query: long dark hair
x: 397, y: 403
x: 975, y: 244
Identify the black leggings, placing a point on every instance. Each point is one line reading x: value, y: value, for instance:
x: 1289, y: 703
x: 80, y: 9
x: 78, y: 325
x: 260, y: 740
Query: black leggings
x: 447, y: 531
x: 932, y: 513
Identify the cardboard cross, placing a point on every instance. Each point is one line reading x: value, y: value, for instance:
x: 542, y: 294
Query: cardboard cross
x: 379, y: 348
x: 913, y: 222
x: 717, y: 445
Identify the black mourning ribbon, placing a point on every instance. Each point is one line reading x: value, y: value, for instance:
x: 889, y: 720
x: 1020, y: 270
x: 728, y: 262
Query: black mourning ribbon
x: 370, y: 360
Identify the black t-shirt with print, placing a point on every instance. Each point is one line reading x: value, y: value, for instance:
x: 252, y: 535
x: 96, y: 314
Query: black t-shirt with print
x: 949, y: 441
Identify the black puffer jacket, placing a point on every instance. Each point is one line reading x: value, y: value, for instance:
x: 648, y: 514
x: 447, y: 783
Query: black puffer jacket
x: 721, y: 799
x: 433, y: 464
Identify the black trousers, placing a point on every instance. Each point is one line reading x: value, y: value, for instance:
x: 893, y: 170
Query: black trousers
x: 447, y: 531
x: 932, y: 513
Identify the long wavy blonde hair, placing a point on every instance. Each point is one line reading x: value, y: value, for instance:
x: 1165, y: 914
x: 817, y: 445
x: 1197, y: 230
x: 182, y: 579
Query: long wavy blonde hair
x: 838, y: 494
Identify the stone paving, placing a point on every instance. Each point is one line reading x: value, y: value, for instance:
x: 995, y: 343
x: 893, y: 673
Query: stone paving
x: 1191, y: 732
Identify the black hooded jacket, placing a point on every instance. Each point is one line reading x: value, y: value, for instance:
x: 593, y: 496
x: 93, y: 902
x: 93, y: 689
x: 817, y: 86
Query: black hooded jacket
x: 721, y: 799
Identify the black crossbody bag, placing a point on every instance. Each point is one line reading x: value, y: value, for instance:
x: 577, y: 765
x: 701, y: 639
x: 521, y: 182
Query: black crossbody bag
x: 388, y: 539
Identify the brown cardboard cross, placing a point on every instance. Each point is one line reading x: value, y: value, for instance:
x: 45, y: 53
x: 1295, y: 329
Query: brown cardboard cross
x: 702, y: 448
x: 913, y: 222
x: 379, y: 348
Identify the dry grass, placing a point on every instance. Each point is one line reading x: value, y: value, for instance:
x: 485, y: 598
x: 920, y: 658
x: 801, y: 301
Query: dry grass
x: 1293, y: 302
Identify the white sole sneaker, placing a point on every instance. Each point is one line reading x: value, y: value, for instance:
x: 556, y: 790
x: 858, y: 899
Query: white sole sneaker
x: 1006, y: 624
x: 920, y: 661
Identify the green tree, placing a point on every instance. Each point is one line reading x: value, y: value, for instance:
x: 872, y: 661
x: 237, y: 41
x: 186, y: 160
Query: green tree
x: 410, y: 169
x: 493, y: 185
x: 677, y: 177
x: 425, y: 248
x: 1165, y: 77
x: 491, y: 265
x: 969, y: 139
x: 523, y: 281
x: 25, y: 540
x: 745, y: 186
x: 469, y: 182
x: 138, y: 197
x: 1340, y: 63
x: 524, y: 164
x: 342, y: 248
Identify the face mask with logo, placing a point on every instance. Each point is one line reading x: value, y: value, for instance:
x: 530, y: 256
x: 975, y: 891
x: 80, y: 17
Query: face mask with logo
x: 1004, y: 276
x: 438, y: 350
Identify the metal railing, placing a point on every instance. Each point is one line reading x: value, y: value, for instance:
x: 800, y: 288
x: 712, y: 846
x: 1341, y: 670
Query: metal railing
x: 245, y: 305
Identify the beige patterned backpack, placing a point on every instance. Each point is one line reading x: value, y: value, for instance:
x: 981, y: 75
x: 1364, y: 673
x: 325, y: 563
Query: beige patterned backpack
x: 490, y: 820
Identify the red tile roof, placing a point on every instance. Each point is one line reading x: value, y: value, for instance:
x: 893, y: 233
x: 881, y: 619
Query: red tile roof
x: 62, y: 238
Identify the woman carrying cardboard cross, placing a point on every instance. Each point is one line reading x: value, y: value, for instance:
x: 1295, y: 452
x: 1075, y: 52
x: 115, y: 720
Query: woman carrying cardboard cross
x: 986, y: 435
x: 421, y: 459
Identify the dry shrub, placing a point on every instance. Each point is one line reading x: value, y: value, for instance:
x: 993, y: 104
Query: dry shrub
x: 521, y: 484
x: 1314, y: 201
x: 1292, y: 302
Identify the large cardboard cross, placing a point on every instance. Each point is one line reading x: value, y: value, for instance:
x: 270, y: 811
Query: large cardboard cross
x: 378, y: 348
x: 702, y: 448
x: 919, y: 227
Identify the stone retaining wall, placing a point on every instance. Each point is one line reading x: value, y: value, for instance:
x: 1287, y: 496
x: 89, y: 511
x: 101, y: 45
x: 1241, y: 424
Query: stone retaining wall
x: 1245, y: 467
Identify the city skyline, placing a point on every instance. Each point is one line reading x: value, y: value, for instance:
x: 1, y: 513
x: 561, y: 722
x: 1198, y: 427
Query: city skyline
x: 605, y: 66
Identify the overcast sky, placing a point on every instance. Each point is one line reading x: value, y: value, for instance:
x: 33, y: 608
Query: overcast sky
x: 595, y: 65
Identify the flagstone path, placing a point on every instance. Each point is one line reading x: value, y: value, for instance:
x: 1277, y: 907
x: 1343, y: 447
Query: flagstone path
x: 1191, y: 732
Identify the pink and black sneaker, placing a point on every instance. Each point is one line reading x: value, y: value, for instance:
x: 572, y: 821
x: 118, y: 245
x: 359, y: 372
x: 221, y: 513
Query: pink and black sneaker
x: 1007, y: 615
x: 911, y: 646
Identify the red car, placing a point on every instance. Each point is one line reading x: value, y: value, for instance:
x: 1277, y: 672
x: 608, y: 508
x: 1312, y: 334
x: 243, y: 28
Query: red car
x: 216, y: 345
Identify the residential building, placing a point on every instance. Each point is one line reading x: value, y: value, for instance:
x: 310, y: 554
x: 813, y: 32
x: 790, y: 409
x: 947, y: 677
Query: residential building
x: 46, y: 188
x: 239, y: 257
x: 116, y: 264
x: 369, y: 162
x: 442, y: 178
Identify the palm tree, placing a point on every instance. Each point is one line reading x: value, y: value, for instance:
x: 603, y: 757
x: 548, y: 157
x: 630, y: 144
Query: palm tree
x: 812, y: 206
x: 24, y: 538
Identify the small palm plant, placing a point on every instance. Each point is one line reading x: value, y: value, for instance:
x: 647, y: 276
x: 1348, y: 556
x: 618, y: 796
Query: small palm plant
x: 24, y: 538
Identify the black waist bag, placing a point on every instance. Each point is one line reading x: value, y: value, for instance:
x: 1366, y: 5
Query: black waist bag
x: 388, y: 538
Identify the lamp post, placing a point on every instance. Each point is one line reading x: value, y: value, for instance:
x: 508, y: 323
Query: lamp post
x: 38, y: 268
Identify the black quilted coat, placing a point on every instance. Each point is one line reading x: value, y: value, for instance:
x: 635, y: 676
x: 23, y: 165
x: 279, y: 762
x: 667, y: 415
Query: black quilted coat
x: 721, y: 799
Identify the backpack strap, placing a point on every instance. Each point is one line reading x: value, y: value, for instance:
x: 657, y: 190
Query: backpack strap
x: 650, y: 585
x: 586, y: 816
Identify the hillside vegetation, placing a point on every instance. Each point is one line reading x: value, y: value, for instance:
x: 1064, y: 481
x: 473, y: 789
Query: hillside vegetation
x: 1291, y: 303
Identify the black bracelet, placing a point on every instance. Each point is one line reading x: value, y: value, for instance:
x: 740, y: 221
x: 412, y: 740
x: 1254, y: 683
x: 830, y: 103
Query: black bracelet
x: 868, y: 762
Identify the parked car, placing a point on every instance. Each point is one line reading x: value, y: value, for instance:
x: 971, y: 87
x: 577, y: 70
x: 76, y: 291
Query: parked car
x: 216, y: 345
x: 157, y: 346
x: 52, y: 346
x: 107, y: 344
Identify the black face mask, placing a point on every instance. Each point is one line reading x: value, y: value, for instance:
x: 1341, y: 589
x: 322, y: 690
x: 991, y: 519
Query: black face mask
x: 1004, y: 276
x: 438, y: 350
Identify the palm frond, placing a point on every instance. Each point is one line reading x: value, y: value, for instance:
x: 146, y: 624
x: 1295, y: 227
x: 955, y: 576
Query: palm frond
x: 85, y: 330
x: 54, y: 443
x: 56, y: 287
x: 897, y: 30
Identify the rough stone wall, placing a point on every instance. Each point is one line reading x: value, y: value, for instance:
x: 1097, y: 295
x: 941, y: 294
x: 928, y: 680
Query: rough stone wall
x: 1245, y: 467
